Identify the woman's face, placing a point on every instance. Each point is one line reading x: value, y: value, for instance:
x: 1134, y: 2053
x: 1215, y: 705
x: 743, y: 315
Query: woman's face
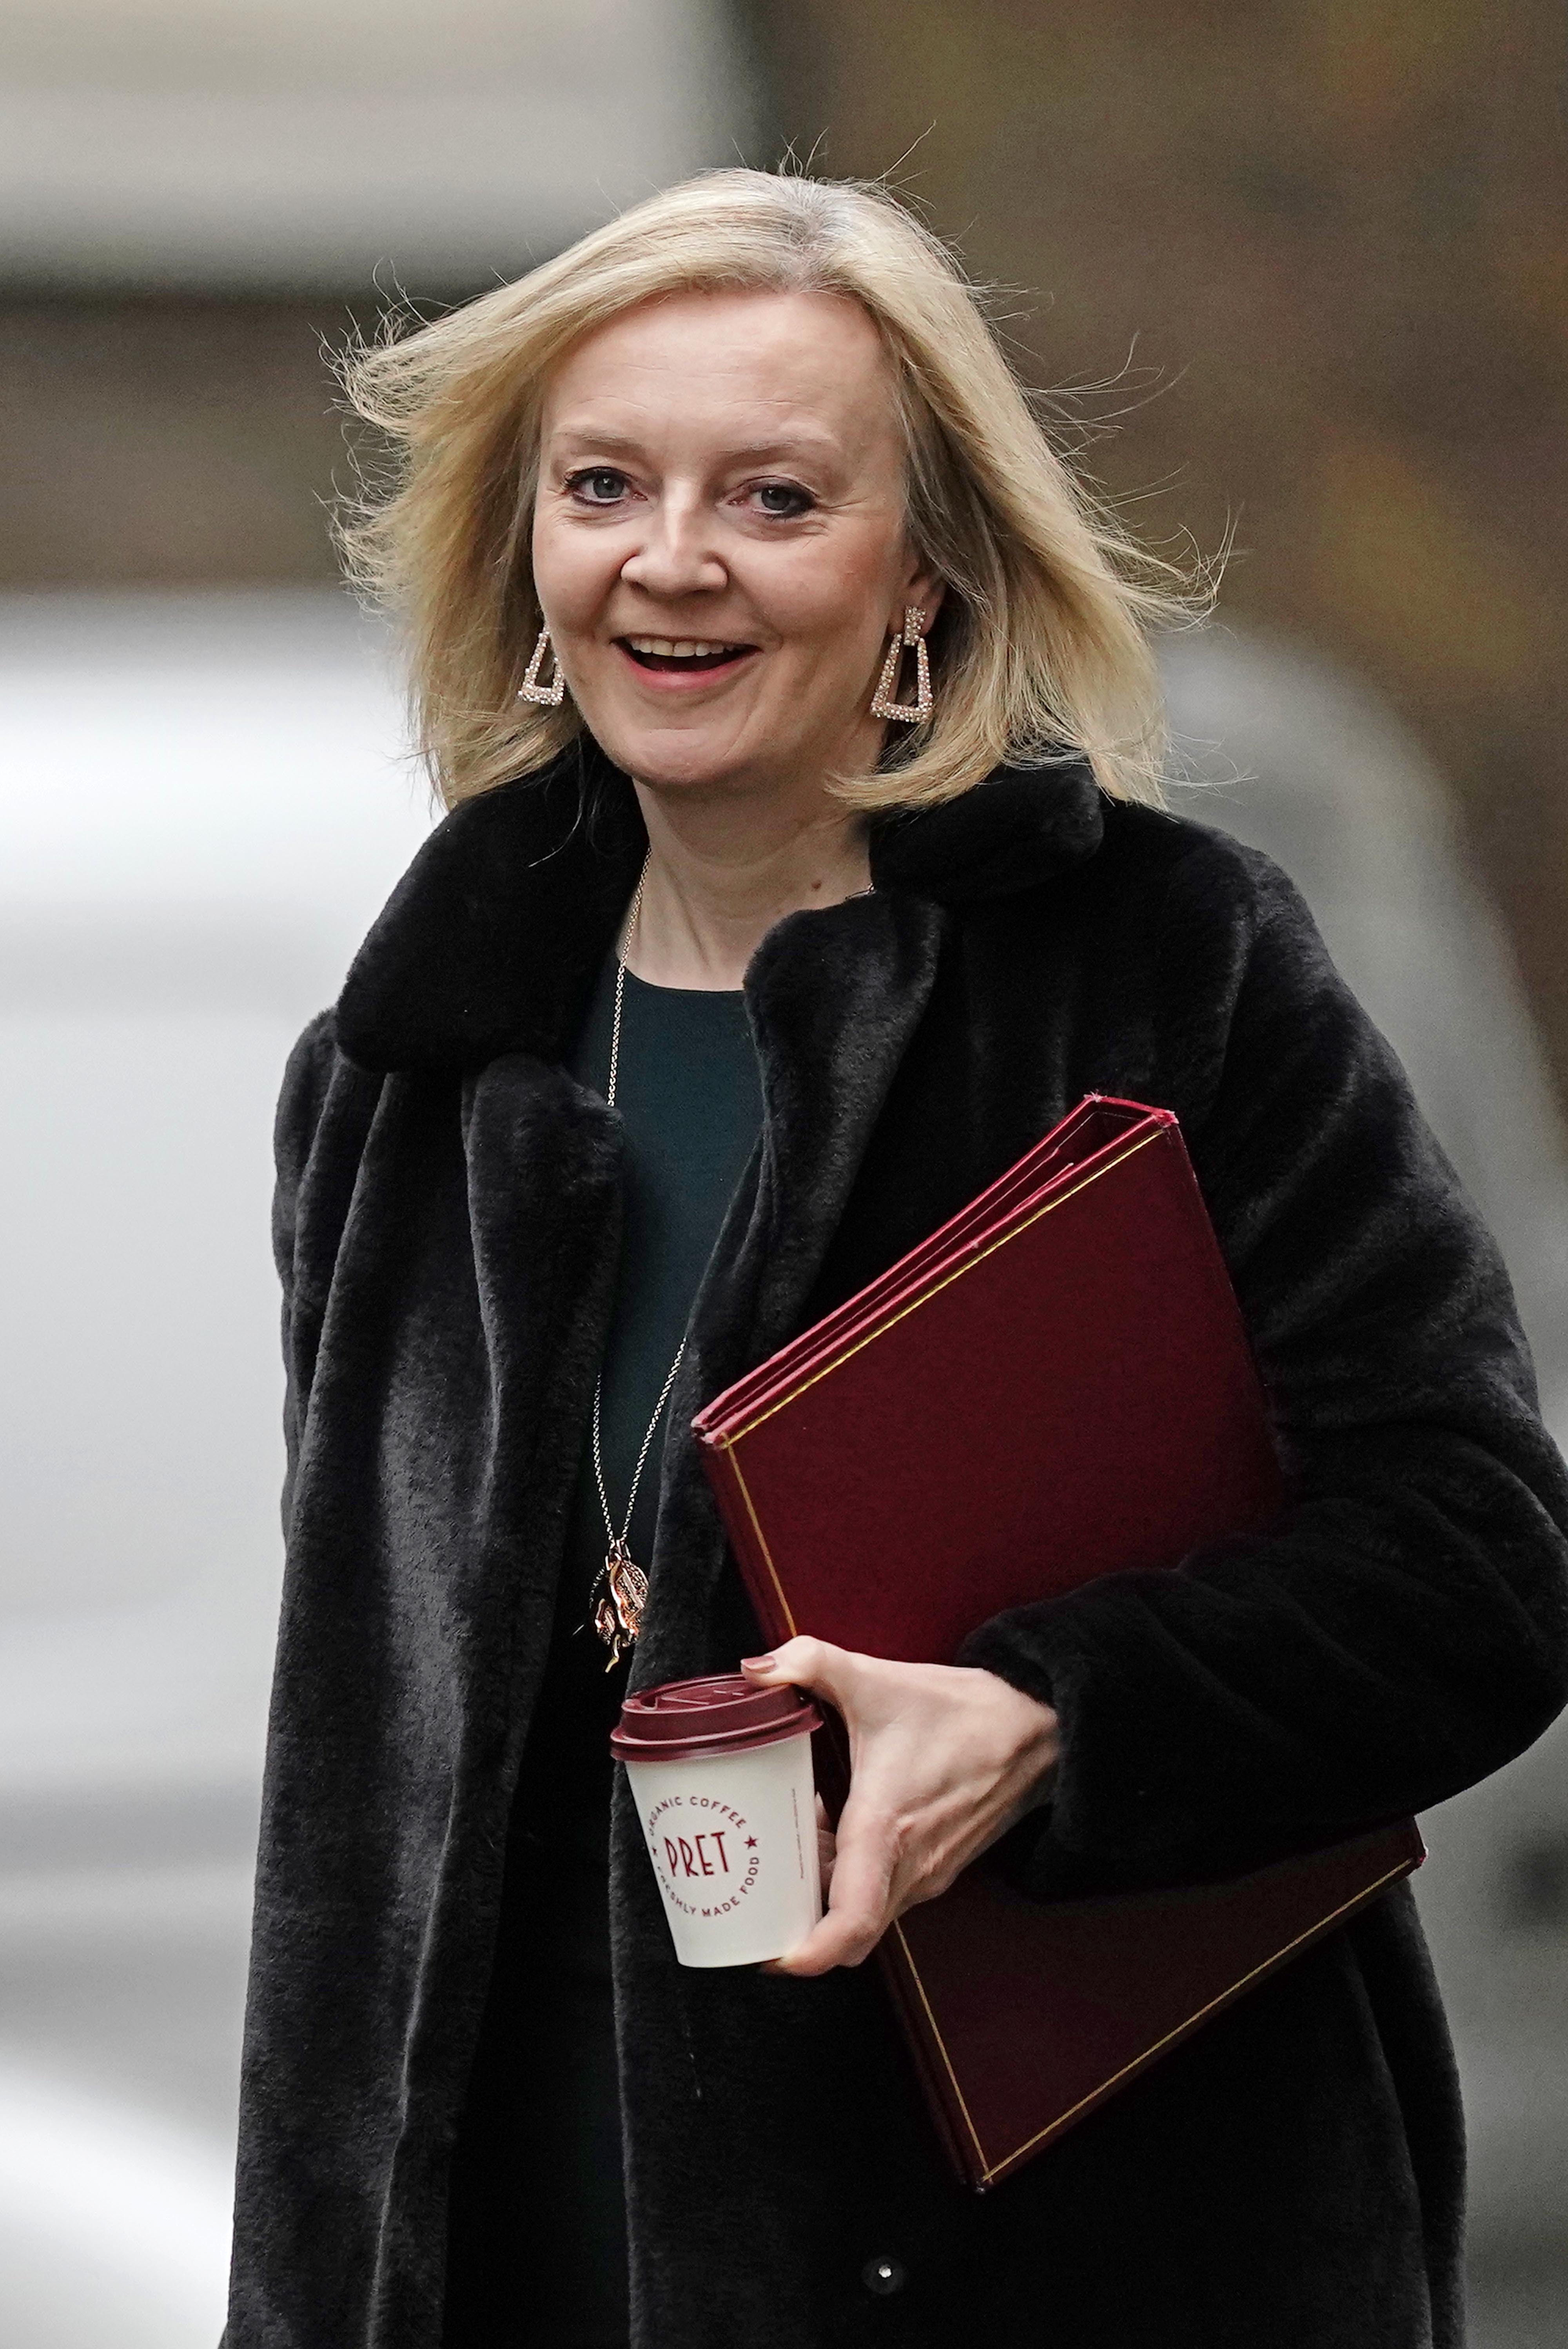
x: 719, y: 542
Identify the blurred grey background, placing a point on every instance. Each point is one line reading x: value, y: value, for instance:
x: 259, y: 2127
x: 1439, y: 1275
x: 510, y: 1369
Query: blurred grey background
x: 1338, y: 237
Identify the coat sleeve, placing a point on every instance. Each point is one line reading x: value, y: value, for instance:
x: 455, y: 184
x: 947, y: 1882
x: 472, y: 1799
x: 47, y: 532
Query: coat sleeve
x: 1402, y: 1629
x: 300, y: 1101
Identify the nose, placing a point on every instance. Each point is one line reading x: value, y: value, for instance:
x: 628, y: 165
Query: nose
x: 676, y: 556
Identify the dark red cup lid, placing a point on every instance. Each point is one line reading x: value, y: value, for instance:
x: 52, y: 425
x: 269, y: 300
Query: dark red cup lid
x: 691, y: 1717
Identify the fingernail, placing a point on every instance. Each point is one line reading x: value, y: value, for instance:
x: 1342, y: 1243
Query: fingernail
x: 757, y: 1663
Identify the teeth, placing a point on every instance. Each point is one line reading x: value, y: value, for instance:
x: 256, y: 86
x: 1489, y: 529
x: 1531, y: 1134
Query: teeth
x: 677, y: 648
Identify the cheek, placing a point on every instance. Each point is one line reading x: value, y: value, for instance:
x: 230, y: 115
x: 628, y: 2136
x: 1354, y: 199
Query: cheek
x: 574, y: 571
x: 831, y: 597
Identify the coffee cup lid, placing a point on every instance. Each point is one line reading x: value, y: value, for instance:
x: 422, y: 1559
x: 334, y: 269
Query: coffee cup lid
x: 685, y: 1718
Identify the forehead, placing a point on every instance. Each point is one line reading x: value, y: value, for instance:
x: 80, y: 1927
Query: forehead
x: 750, y: 366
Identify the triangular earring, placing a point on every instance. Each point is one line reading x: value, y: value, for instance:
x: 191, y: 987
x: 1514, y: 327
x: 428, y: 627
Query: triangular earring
x: 551, y: 695
x: 909, y: 713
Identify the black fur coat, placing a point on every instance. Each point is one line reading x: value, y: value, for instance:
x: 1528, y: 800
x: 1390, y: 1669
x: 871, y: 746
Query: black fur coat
x: 447, y: 1225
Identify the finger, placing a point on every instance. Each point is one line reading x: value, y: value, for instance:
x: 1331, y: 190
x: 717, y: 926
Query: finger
x: 841, y: 1940
x: 809, y: 1663
x: 827, y: 1853
x: 860, y: 1909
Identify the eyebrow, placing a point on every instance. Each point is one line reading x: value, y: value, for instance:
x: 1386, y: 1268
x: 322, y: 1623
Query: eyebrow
x: 754, y: 452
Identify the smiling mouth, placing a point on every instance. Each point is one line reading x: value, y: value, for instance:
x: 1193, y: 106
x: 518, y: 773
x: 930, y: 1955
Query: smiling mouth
x: 683, y: 656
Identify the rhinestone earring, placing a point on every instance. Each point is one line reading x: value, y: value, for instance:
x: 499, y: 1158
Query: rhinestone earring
x: 551, y: 695
x: 911, y: 713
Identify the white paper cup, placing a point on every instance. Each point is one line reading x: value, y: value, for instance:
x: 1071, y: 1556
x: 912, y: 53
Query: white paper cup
x: 721, y: 1776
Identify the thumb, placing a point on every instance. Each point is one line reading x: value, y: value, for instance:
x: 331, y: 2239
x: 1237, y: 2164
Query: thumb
x: 809, y: 1663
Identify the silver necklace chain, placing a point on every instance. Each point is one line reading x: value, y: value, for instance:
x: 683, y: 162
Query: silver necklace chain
x: 621, y: 1588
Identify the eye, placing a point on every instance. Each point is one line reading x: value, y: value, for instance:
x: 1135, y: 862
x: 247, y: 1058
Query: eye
x: 597, y: 486
x: 784, y: 500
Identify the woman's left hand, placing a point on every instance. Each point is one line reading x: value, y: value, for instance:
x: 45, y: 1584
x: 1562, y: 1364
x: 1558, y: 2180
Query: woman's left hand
x: 943, y: 1761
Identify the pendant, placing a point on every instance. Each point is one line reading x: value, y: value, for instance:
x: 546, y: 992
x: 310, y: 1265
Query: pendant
x: 622, y: 1593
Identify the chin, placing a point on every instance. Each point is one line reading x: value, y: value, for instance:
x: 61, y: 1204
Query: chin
x: 665, y: 759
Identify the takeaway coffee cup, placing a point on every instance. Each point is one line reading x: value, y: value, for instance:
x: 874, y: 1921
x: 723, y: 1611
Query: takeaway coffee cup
x: 720, y: 1772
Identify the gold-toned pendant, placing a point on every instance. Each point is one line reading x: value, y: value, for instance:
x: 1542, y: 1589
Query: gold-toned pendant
x: 622, y: 1593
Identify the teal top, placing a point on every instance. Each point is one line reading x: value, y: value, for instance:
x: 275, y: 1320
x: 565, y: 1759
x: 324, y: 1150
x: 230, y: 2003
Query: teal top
x: 689, y: 1096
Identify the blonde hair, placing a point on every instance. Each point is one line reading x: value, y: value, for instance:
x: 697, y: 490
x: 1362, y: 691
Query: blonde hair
x: 1039, y: 649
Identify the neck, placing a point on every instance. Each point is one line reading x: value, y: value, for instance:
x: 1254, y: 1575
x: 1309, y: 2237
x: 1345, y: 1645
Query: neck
x: 720, y: 874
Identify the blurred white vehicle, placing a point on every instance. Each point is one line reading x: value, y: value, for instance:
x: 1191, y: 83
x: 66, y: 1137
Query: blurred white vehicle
x: 206, y: 803
x: 1305, y: 762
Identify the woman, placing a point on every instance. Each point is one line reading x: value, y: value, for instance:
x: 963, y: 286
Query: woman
x: 797, y: 731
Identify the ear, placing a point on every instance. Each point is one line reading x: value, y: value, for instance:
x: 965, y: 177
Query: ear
x: 921, y: 586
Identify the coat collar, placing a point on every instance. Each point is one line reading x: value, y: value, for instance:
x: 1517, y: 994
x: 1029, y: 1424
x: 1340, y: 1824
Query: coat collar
x: 493, y: 940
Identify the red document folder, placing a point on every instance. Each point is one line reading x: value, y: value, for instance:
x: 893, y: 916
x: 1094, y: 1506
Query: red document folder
x: 1057, y: 1384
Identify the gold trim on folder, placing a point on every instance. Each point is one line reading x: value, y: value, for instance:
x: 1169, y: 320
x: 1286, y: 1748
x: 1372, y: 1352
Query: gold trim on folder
x: 784, y: 1605
x: 994, y: 2170
x: 729, y: 1443
x: 986, y: 2173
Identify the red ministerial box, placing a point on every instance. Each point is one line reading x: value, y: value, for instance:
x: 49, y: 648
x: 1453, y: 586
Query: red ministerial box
x: 1055, y: 1385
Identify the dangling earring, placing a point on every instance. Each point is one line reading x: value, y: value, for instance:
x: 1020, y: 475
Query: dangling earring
x: 912, y: 713
x: 551, y: 695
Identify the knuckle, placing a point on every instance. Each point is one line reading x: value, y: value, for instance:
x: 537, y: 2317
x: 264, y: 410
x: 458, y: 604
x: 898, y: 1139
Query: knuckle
x: 898, y: 1841
x: 881, y: 1829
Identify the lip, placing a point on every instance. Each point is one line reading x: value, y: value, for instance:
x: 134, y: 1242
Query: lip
x: 670, y: 681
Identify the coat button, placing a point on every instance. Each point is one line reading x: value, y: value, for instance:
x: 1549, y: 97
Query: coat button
x: 883, y: 2276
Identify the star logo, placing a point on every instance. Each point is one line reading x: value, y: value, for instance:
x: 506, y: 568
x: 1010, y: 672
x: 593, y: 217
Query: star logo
x: 751, y: 1843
